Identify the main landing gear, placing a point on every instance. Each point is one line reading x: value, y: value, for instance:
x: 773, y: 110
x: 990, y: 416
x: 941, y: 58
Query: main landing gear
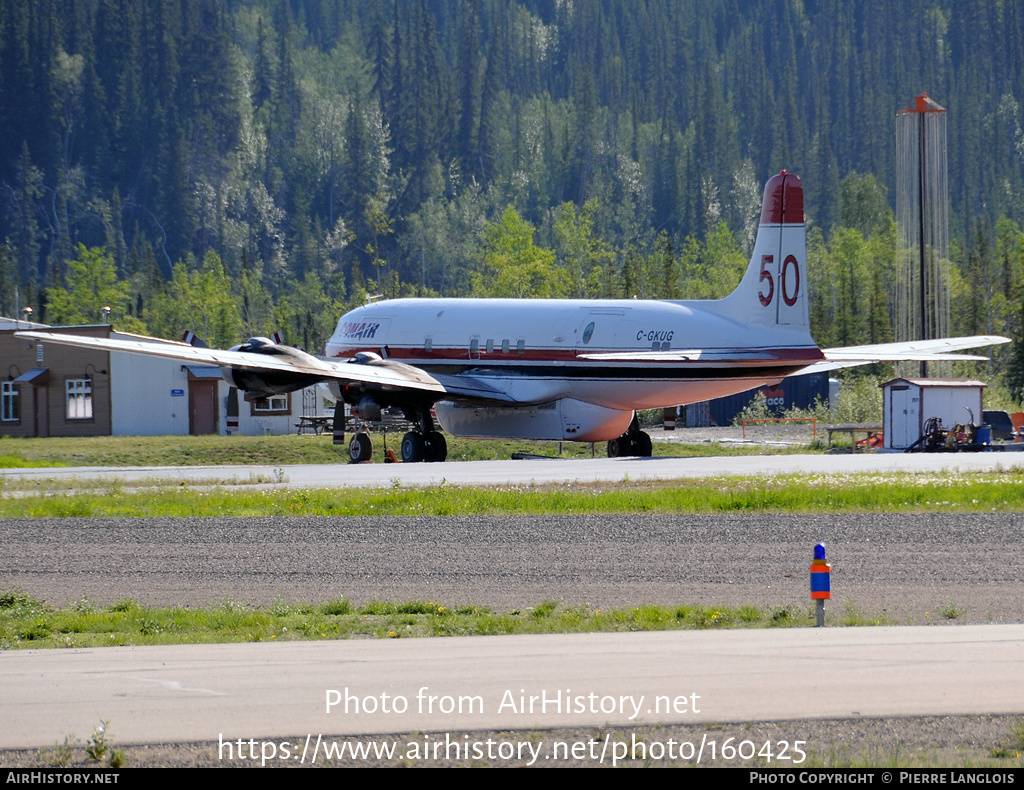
x: 427, y: 443
x: 417, y: 447
x: 633, y: 442
x: 424, y: 444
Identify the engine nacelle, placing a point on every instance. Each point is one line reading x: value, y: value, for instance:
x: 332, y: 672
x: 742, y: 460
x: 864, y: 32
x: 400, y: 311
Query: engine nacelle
x: 561, y: 420
x: 264, y: 383
x: 368, y: 409
x: 259, y: 382
x: 255, y: 344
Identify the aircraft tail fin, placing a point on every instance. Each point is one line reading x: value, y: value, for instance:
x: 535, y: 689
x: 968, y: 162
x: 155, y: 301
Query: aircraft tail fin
x: 773, y: 291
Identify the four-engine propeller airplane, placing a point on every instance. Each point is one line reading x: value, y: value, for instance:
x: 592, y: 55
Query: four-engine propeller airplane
x: 573, y: 370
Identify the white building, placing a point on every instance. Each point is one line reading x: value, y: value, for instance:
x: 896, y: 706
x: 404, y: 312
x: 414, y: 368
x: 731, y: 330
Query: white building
x: 907, y: 404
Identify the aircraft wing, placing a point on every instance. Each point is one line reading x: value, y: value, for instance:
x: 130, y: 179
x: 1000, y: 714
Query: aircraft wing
x: 386, y: 374
x: 835, y: 358
x: 472, y: 388
x: 912, y: 351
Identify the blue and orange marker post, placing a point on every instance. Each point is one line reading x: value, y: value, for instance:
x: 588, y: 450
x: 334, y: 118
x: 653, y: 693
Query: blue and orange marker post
x: 821, y: 583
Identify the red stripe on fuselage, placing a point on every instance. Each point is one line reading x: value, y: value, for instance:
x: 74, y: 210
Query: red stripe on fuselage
x: 413, y: 356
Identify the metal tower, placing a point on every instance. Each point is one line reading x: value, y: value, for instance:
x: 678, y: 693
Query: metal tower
x: 922, y: 214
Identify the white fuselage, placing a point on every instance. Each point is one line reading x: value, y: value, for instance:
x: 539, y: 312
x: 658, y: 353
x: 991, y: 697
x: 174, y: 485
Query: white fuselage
x: 540, y: 353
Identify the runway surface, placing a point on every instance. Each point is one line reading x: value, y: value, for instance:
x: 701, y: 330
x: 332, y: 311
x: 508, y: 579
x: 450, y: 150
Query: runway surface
x: 289, y: 691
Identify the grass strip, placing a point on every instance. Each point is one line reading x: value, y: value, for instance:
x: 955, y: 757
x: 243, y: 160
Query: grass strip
x: 273, y: 450
x: 16, y: 461
x: 870, y: 493
x: 28, y: 623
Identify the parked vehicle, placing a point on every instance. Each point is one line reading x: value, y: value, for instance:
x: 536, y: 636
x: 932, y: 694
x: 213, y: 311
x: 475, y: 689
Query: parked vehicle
x: 1001, y: 424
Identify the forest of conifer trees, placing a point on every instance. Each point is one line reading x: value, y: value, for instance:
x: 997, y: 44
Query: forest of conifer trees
x: 239, y: 166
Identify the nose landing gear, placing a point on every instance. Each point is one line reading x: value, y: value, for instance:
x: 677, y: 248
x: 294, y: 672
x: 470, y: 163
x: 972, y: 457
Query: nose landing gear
x: 360, y: 449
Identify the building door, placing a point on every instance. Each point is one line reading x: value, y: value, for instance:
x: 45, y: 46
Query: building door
x: 202, y: 407
x: 40, y: 404
x: 905, y: 415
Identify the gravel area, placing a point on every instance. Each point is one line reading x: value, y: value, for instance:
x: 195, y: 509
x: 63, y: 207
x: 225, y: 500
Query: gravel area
x: 754, y: 434
x: 907, y: 568
x: 944, y: 742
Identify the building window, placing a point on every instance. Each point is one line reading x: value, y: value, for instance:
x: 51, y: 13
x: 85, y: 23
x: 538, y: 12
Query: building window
x: 274, y: 405
x: 9, y: 409
x: 79, y: 399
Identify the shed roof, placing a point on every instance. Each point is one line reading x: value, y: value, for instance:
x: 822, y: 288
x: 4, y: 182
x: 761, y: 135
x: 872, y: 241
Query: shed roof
x: 948, y: 383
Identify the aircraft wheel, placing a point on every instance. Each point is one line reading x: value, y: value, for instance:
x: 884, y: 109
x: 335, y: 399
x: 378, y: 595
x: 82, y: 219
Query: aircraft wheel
x: 360, y: 448
x: 642, y: 445
x: 619, y: 448
x: 414, y: 448
x: 437, y: 447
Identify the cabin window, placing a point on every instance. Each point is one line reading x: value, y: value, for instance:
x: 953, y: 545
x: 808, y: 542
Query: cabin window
x: 504, y: 346
x: 428, y: 344
x: 79, y: 399
x: 9, y: 409
x: 520, y: 346
x: 474, y: 346
x: 490, y: 345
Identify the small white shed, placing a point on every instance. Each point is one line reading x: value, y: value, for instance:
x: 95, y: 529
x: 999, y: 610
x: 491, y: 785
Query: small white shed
x: 907, y: 404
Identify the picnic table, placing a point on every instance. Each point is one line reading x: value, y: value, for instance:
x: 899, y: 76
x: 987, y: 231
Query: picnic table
x: 869, y: 429
x: 317, y: 423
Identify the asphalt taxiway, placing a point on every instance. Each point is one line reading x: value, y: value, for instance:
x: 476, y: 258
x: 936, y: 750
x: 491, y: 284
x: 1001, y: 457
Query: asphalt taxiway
x: 530, y: 471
